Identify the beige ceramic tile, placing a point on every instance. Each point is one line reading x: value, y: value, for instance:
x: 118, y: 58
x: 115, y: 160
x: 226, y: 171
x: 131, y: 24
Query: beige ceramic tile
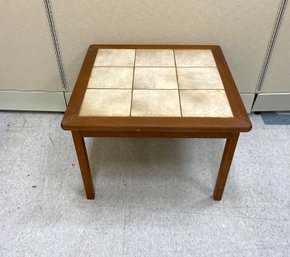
x: 155, y: 78
x: 199, y: 78
x: 111, y: 77
x: 154, y: 57
x: 194, y: 58
x: 115, y: 57
x: 205, y: 103
x: 155, y: 103
x: 106, y: 102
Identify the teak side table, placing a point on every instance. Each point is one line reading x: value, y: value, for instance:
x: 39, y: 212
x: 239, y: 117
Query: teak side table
x: 169, y: 91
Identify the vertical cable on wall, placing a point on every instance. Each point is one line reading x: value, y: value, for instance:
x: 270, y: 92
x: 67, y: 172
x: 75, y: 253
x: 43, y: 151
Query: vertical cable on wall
x: 271, y: 44
x: 55, y: 43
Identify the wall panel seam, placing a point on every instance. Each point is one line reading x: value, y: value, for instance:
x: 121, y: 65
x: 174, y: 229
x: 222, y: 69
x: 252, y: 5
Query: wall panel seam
x: 55, y: 43
x: 271, y: 44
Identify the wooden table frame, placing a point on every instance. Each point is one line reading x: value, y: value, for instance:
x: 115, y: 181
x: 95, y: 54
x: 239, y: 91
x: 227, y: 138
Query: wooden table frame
x: 171, y: 127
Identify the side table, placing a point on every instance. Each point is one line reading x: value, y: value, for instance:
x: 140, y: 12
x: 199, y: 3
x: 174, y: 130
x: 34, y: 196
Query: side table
x: 167, y: 91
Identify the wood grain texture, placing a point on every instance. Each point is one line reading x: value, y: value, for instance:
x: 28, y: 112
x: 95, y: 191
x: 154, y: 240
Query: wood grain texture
x: 225, y: 166
x: 84, y: 164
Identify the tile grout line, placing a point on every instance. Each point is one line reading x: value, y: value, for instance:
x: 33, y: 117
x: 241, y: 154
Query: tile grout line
x: 177, y: 83
x: 112, y: 66
x: 162, y: 67
x: 133, y: 80
x: 155, y: 89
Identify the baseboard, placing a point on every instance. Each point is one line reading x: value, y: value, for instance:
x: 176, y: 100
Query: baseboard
x: 67, y: 96
x: 248, y: 100
x: 32, y: 101
x: 272, y: 102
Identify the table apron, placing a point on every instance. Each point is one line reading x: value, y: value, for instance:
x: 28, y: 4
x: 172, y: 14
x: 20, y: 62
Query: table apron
x: 152, y: 134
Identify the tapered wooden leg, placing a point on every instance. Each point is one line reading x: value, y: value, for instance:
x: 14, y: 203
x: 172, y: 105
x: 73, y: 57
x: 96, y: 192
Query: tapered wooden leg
x: 84, y: 164
x: 225, y: 166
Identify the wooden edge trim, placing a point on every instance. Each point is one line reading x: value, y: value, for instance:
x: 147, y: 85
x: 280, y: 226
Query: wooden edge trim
x: 80, y: 88
x: 108, y: 46
x: 233, y: 95
x: 153, y: 134
x: 157, y: 124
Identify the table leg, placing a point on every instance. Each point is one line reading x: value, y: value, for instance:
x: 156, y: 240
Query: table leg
x: 225, y: 166
x: 84, y: 164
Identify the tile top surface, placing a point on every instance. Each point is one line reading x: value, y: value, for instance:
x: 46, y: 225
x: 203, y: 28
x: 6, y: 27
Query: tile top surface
x: 194, y: 58
x: 111, y: 77
x: 155, y: 78
x: 155, y: 57
x: 115, y: 57
x: 155, y: 83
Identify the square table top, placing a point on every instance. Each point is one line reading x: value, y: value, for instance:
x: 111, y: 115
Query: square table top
x: 149, y: 88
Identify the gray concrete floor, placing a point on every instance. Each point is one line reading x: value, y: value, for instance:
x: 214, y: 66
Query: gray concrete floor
x: 153, y: 196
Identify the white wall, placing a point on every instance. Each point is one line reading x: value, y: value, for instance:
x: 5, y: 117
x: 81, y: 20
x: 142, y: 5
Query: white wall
x: 242, y: 28
x: 29, y: 66
x: 27, y: 57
